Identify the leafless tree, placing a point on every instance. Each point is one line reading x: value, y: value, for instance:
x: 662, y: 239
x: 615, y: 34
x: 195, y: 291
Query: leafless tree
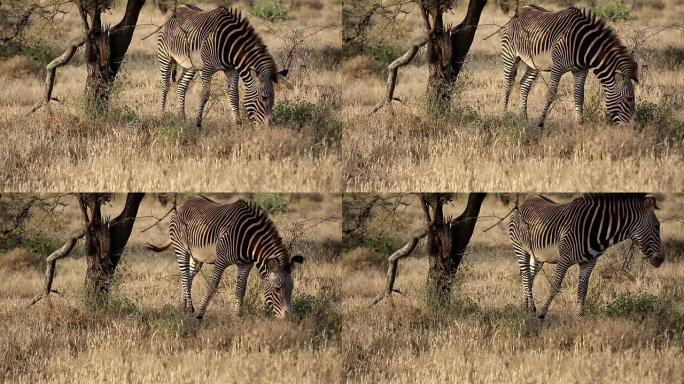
x: 447, y: 48
x: 105, y: 240
x: 105, y: 48
x: 447, y: 240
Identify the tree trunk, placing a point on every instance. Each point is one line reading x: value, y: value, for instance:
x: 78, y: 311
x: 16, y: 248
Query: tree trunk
x: 105, y: 241
x: 105, y: 50
x: 446, y: 243
x: 446, y: 52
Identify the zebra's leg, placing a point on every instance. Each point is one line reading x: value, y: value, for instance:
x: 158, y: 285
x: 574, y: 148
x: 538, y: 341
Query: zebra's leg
x: 214, y: 281
x: 526, y: 84
x: 241, y: 286
x: 207, y: 73
x: 558, y: 275
x: 183, y: 84
x: 184, y: 261
x: 510, y: 70
x: 234, y: 93
x: 195, y: 267
x: 583, y: 285
x: 526, y: 276
x: 578, y: 94
x: 556, y: 75
x: 166, y: 65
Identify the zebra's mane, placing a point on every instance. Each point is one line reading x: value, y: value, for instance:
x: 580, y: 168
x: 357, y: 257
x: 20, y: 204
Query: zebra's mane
x: 612, y: 196
x: 252, y: 35
x: 619, y: 49
x: 272, y: 231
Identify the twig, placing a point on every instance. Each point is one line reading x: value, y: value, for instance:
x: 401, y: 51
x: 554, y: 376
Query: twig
x: 51, y: 264
x: 52, y: 71
x: 393, y: 261
x: 393, y: 69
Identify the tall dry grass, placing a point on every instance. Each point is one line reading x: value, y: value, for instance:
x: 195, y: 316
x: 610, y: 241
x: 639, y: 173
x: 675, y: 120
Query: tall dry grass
x: 479, y: 147
x: 137, y: 147
x: 633, y: 331
x: 143, y: 337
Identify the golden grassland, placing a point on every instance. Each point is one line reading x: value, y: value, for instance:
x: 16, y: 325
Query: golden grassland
x: 479, y: 147
x: 142, y: 337
x: 136, y: 147
x: 633, y: 331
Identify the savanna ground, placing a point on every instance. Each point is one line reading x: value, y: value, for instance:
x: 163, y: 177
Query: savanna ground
x: 633, y: 331
x: 142, y: 336
x: 479, y: 147
x: 137, y: 147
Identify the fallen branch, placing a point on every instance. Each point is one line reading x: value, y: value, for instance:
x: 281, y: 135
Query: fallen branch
x: 52, y: 70
x: 51, y: 262
x: 393, y: 261
x: 393, y: 69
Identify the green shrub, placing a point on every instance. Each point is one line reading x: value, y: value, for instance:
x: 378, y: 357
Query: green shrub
x: 295, y: 112
x: 270, y: 203
x: 661, y: 117
x: 614, y: 10
x: 303, y: 115
x: 383, y: 53
x: 634, y: 306
x: 319, y: 313
x: 272, y: 10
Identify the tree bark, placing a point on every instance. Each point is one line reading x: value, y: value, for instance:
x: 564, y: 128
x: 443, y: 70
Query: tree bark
x: 447, y: 241
x: 446, y: 52
x: 105, y: 241
x: 105, y: 50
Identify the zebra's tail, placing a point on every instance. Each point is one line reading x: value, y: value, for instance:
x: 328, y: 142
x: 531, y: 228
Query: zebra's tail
x: 159, y: 248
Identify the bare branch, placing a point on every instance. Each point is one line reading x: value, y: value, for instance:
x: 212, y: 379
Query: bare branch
x: 51, y: 263
x: 52, y: 70
x: 393, y: 261
x: 393, y: 69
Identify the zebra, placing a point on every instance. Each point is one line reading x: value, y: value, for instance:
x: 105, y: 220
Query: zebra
x: 570, y: 40
x: 204, y: 231
x: 212, y: 41
x: 578, y: 232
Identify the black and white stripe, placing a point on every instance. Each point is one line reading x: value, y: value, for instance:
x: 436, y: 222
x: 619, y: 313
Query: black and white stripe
x: 571, y: 40
x: 578, y: 232
x: 218, y: 40
x: 203, y: 231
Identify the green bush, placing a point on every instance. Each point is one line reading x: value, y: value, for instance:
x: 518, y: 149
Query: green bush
x: 272, y: 10
x: 634, y: 306
x: 662, y: 118
x: 614, y: 10
x: 320, y: 313
x: 303, y: 115
x: 383, y: 53
x: 270, y: 203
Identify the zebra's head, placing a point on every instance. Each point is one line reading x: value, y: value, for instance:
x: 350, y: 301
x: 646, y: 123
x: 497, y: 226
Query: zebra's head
x: 620, y: 98
x: 646, y: 233
x: 279, y: 285
x: 260, y: 95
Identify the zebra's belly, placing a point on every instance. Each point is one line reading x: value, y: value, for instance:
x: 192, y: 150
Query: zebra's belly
x: 548, y: 255
x: 206, y: 254
x: 541, y: 61
x: 193, y: 60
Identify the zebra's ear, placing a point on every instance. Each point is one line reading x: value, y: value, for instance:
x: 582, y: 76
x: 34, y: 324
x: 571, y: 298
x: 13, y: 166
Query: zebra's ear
x: 272, y: 265
x: 255, y: 77
x: 296, y: 261
x: 650, y: 203
x: 281, y: 78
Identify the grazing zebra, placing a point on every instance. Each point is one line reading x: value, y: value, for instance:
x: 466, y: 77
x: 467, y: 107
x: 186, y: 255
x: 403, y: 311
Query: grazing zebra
x: 574, y: 41
x: 203, y: 231
x: 578, y: 232
x: 218, y: 40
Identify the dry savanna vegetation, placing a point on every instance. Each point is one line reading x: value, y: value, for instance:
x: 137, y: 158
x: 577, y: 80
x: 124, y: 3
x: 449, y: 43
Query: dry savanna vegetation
x: 134, y: 146
x: 479, y: 147
x: 141, y: 335
x: 633, y: 330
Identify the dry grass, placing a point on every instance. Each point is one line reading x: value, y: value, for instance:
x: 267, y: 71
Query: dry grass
x: 142, y: 336
x: 136, y: 147
x: 486, y: 338
x: 478, y: 147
